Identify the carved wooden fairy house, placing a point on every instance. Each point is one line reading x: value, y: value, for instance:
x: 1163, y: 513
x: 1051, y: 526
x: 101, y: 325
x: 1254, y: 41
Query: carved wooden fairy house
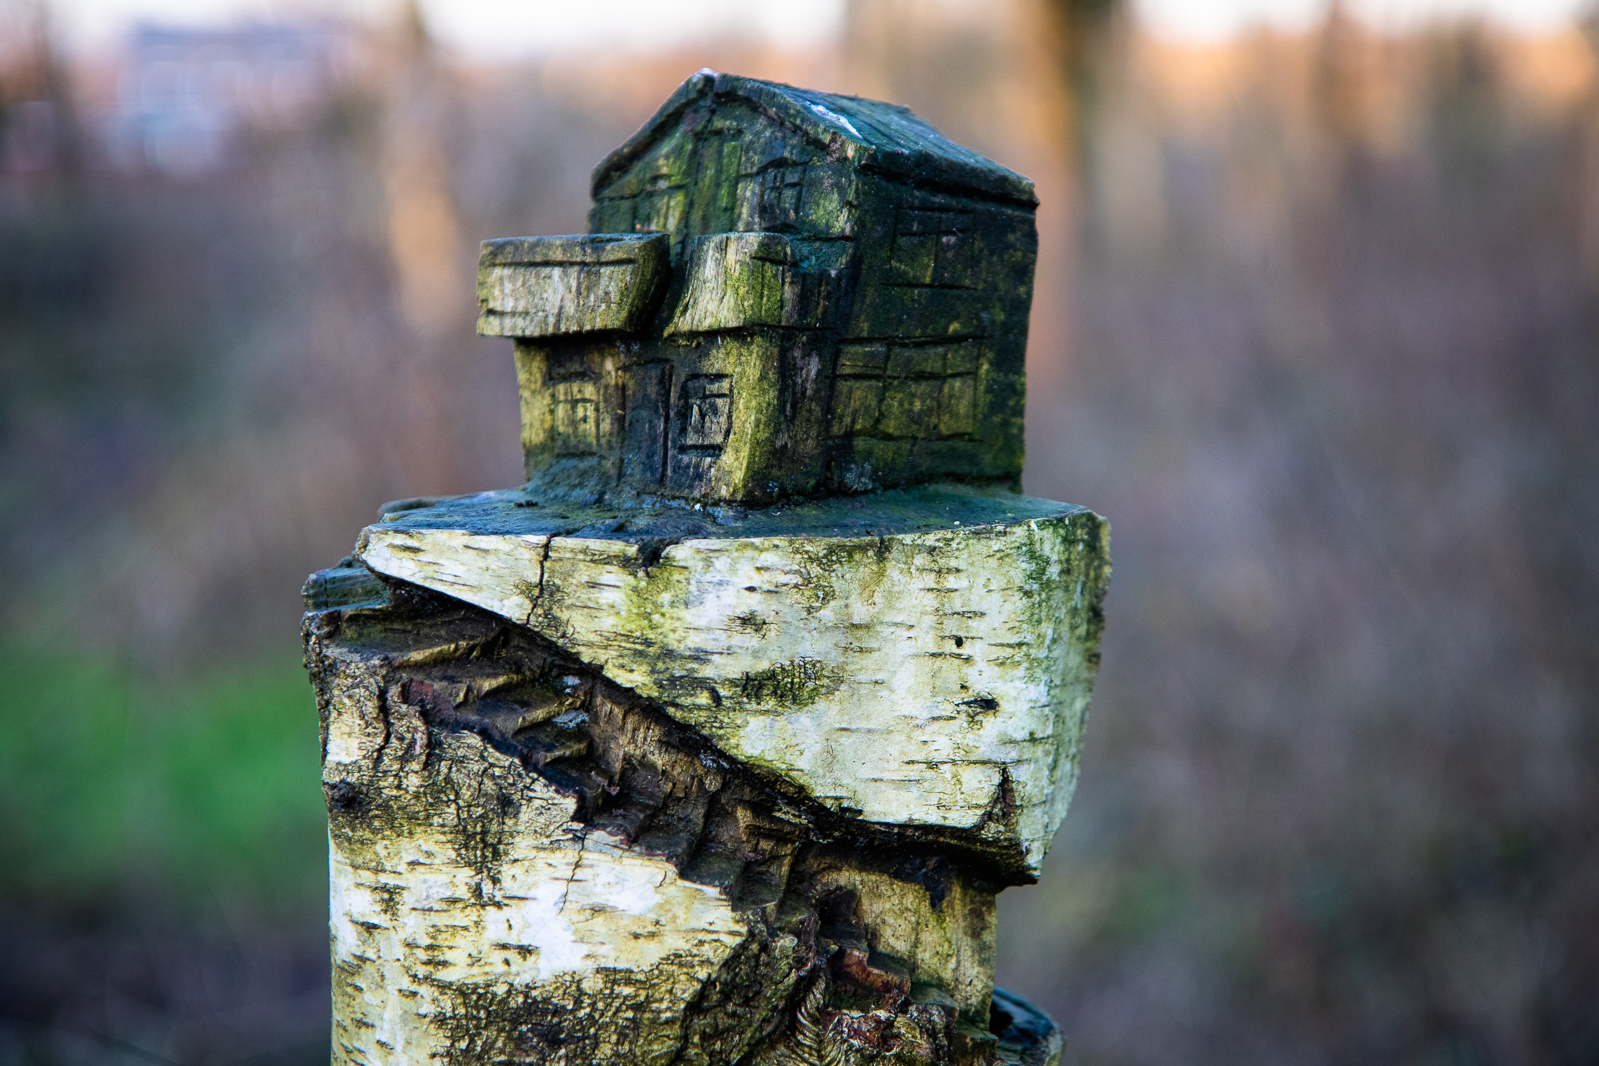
x: 783, y: 292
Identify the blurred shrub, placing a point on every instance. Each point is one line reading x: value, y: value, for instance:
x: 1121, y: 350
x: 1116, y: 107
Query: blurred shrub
x: 112, y: 783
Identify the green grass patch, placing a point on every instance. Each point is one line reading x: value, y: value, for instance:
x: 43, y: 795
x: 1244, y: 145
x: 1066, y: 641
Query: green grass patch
x: 192, y: 786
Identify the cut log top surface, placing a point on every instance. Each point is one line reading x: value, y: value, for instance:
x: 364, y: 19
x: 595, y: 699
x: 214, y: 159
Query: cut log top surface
x: 518, y: 512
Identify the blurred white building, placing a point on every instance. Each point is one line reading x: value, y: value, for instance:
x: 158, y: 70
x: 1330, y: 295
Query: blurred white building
x: 186, y: 95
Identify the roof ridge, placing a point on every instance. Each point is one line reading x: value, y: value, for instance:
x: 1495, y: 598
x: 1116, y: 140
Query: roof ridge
x: 895, y: 141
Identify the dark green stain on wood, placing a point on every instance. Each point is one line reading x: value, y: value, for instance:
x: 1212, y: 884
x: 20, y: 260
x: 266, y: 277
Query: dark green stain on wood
x: 784, y: 293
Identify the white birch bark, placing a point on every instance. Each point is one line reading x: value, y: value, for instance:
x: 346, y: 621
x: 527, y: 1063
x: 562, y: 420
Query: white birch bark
x: 550, y: 842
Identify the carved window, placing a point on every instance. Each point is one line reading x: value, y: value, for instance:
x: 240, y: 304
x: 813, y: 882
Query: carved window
x: 705, y: 406
x: 575, y: 428
x: 855, y: 406
x: 781, y: 191
x: 957, y: 407
x: 905, y: 392
x: 932, y: 248
x: 910, y: 408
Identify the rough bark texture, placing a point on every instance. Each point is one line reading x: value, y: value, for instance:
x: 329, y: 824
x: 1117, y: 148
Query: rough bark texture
x: 667, y: 756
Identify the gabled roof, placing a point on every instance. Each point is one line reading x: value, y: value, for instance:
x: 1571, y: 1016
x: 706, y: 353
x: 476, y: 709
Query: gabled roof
x: 878, y: 136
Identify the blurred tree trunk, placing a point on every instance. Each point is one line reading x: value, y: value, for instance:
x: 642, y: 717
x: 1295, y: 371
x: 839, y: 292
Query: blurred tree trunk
x: 424, y: 230
x: 948, y: 62
x: 432, y: 263
x: 1587, y: 164
x: 39, y: 132
x: 1087, y: 38
x: 1015, y: 80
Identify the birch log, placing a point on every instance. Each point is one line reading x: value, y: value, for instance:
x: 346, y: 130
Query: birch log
x: 714, y: 742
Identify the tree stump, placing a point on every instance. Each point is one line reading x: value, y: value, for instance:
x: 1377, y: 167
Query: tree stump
x: 714, y: 742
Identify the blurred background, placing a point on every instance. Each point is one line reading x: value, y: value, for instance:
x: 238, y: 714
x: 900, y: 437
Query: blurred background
x: 1316, y: 327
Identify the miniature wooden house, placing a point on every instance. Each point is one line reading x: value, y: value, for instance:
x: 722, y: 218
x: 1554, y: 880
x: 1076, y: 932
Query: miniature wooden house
x: 783, y: 292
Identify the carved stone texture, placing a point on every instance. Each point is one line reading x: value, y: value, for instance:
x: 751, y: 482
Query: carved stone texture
x: 709, y: 745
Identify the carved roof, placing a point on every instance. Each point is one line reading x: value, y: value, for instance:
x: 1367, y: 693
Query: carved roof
x: 874, y: 135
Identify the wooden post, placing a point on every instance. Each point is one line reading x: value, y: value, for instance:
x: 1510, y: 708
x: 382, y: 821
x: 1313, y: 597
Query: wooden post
x: 714, y: 742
